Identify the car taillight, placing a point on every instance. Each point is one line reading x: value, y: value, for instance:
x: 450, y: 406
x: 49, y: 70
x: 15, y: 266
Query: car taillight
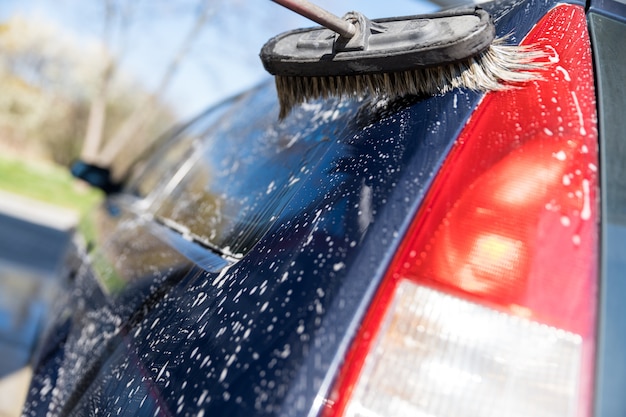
x: 489, y: 306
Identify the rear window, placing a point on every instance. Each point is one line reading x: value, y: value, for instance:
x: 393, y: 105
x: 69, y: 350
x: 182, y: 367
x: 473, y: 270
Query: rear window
x: 245, y: 171
x: 155, y: 170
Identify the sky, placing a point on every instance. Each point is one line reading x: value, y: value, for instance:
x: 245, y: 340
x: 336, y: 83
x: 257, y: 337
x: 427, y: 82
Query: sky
x: 225, y: 59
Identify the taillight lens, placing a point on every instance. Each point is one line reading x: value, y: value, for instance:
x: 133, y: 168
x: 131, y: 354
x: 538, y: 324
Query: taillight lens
x: 437, y: 354
x: 489, y: 306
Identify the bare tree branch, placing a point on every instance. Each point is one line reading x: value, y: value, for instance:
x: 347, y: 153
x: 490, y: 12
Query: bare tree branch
x: 144, y: 113
x: 97, y: 111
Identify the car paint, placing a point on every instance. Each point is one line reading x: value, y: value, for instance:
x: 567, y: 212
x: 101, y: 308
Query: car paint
x: 156, y: 322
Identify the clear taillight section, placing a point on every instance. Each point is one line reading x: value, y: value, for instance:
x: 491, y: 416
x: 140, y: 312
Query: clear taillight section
x: 489, y: 306
x: 438, y: 355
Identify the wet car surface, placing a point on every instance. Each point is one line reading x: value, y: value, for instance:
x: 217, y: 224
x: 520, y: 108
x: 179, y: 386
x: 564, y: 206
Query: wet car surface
x: 233, y: 271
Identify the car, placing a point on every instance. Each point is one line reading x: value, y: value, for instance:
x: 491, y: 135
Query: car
x: 456, y: 254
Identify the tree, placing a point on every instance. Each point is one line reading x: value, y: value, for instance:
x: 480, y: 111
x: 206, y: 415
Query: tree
x: 105, y: 151
x: 46, y: 77
x: 42, y: 101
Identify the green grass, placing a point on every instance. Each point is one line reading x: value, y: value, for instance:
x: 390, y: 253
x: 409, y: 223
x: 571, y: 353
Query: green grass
x: 46, y: 182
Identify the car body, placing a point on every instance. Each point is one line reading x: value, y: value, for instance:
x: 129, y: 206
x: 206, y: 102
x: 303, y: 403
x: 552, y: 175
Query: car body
x: 458, y: 254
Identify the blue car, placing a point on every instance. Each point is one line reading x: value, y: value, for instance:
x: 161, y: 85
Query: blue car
x: 459, y: 254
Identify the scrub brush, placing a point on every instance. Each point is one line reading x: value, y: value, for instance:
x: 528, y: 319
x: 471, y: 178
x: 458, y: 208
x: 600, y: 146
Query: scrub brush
x: 414, y: 55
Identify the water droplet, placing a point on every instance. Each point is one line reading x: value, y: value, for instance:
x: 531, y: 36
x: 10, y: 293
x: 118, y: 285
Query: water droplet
x: 338, y: 266
x: 566, y: 180
x: 585, y: 214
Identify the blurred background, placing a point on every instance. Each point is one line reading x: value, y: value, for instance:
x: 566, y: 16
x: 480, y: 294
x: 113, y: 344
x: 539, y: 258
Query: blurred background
x: 99, y: 80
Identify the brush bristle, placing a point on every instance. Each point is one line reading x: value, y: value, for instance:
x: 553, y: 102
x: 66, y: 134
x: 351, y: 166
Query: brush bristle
x: 499, y: 67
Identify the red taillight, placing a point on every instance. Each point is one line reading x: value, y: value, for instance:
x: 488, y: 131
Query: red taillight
x: 490, y: 302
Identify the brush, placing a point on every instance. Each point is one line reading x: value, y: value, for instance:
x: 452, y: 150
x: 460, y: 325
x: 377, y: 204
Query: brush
x: 413, y: 55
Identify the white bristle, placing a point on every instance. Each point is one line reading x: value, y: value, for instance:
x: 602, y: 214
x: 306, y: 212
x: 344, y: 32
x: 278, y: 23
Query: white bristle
x: 500, y: 67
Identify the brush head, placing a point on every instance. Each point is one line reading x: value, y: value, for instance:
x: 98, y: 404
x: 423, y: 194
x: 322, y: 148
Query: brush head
x: 425, y: 54
x: 382, y: 45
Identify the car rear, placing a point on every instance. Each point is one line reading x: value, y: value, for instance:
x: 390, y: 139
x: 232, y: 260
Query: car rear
x: 427, y: 256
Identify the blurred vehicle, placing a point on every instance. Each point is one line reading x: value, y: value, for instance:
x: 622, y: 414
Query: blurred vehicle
x: 459, y: 254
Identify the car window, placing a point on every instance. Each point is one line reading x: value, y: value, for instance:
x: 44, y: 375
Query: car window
x: 157, y: 167
x: 246, y: 171
x: 608, y: 34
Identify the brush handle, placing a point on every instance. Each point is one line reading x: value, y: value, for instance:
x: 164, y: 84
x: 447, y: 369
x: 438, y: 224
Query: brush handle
x: 319, y: 15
